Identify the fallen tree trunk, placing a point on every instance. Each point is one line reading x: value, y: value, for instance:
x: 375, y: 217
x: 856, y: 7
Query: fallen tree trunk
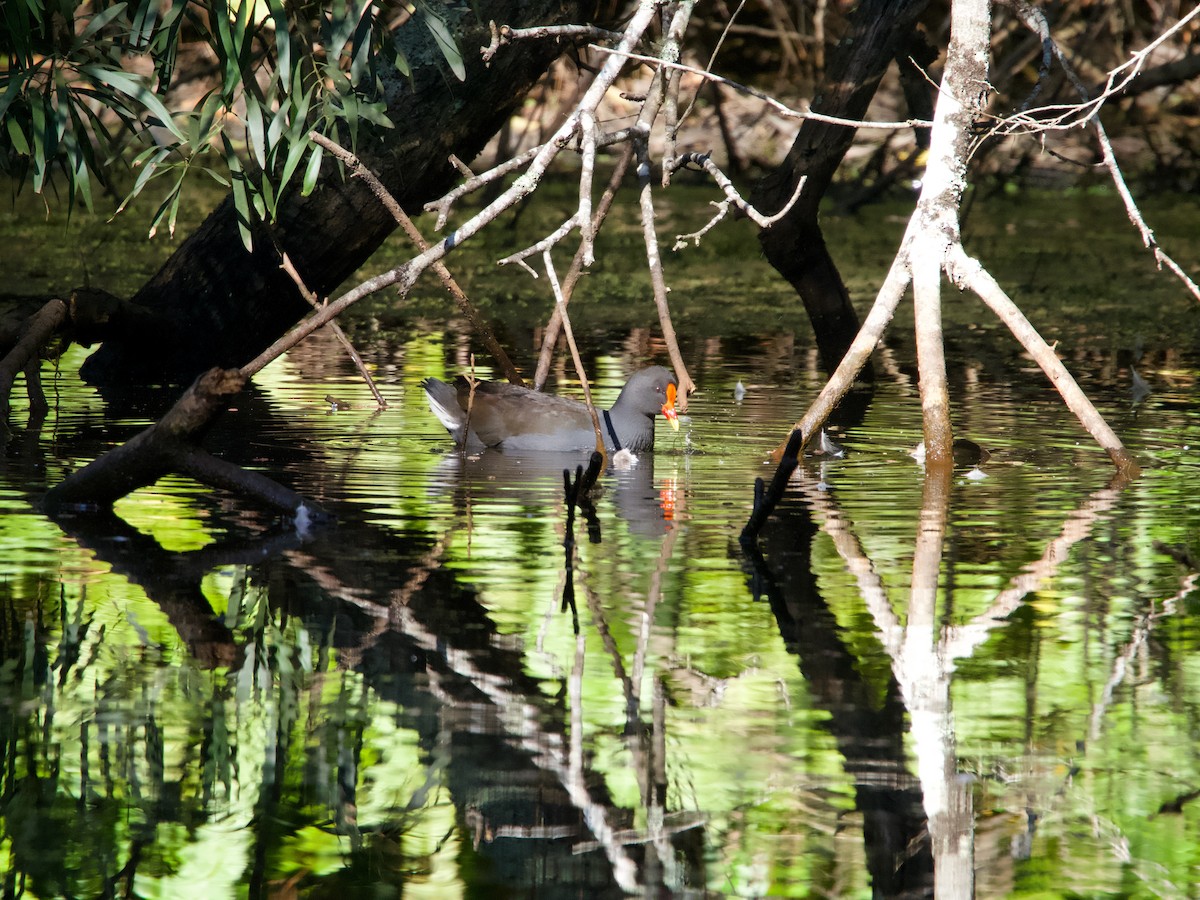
x: 172, y: 445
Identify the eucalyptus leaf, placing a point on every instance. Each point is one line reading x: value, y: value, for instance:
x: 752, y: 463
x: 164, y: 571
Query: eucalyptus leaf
x: 37, y: 115
x: 164, y: 44
x: 174, y: 208
x: 278, y: 126
x: 228, y: 49
x: 269, y: 199
x: 164, y: 208
x: 338, y: 29
x: 394, y: 55
x: 360, y: 47
x: 11, y: 92
x: 80, y: 181
x: 295, y: 153
x: 376, y: 114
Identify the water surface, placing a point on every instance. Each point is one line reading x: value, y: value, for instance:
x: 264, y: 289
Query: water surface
x: 444, y: 696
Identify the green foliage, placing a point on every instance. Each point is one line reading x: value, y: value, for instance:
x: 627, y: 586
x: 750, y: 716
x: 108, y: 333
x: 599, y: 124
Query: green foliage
x: 87, y: 85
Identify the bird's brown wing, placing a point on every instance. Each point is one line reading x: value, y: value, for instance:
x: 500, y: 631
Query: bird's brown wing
x: 500, y: 412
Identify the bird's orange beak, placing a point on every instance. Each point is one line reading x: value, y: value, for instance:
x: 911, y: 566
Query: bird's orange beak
x: 668, y: 408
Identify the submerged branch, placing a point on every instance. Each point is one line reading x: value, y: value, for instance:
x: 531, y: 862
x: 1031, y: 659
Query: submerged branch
x: 968, y: 273
x: 23, y: 357
x: 170, y: 445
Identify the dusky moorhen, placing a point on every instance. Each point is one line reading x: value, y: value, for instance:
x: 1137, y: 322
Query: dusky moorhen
x: 965, y: 453
x: 516, y: 418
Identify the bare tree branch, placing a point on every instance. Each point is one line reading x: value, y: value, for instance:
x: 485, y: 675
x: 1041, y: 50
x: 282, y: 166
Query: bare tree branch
x: 780, y: 107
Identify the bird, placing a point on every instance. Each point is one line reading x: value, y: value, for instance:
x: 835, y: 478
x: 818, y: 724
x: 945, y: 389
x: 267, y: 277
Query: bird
x: 964, y: 452
x: 511, y: 417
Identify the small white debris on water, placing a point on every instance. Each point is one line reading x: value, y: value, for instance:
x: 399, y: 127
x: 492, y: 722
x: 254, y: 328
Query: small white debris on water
x: 303, y: 521
x: 624, y: 459
x: 739, y: 392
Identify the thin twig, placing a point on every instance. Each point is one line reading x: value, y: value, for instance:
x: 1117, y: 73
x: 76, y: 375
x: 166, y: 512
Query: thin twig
x: 712, y: 58
x: 313, y: 301
x: 443, y: 205
x: 552, y: 276
x: 705, y: 162
x: 385, y: 197
x: 503, y: 35
x: 1035, y: 21
x: 554, y: 326
x: 967, y: 273
x: 780, y: 107
x: 670, y: 52
x: 657, y: 279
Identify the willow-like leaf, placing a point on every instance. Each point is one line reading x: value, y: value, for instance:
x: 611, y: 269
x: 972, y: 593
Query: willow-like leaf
x: 164, y: 44
x: 395, y: 56
x: 312, y: 171
x: 344, y: 105
x: 361, y: 58
x: 204, y: 114
x: 134, y: 87
x: 95, y: 125
x: 148, y: 161
x: 445, y: 40
x: 283, y: 40
x: 241, y: 199
x: 80, y: 177
x: 270, y: 201
x: 11, y: 92
x: 142, y: 28
x: 375, y: 112
x: 295, y: 153
x: 19, y: 17
x: 35, y: 8
x: 98, y: 22
x: 301, y: 100
x: 339, y: 28
x: 256, y: 130
x: 16, y: 134
x: 39, y: 156
x: 279, y: 122
x: 173, y: 216
x: 230, y: 41
x: 216, y: 175
x: 165, y: 207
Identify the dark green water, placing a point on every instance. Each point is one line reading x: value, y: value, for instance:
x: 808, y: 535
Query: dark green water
x: 197, y: 702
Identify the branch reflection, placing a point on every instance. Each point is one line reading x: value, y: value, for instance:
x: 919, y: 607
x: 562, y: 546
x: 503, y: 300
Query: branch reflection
x: 933, y: 851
